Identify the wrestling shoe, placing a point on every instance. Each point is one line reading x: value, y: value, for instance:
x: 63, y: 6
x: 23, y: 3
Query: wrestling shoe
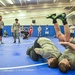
x: 14, y: 42
x: 52, y: 16
x: 61, y: 16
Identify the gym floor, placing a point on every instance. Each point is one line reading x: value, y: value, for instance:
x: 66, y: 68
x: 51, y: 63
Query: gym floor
x: 14, y: 61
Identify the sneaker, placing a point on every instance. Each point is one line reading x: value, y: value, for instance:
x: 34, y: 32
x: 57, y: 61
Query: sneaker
x: 61, y: 16
x: 19, y: 42
x: 2, y: 43
x: 53, y: 16
x: 14, y: 42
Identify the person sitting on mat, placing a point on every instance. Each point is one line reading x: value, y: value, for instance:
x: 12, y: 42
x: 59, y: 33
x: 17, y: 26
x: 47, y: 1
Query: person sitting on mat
x: 26, y: 34
x: 45, y: 48
x: 67, y: 59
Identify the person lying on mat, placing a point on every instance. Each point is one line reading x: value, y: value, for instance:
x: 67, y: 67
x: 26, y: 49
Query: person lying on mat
x: 45, y: 48
x: 67, y: 59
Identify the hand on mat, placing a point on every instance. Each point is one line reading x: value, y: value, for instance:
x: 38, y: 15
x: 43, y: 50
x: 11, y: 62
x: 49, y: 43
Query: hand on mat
x: 63, y: 43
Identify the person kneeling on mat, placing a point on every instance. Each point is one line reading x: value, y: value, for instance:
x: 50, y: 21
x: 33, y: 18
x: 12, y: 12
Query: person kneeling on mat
x: 45, y: 48
x: 26, y: 34
x: 67, y: 59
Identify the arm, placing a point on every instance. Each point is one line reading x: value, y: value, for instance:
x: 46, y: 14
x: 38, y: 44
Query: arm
x: 72, y: 46
x: 3, y: 25
x: 19, y: 28
x: 13, y: 28
x: 38, y: 51
x: 71, y: 28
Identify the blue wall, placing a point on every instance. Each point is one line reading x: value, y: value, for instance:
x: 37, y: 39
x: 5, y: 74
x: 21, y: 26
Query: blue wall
x: 35, y: 32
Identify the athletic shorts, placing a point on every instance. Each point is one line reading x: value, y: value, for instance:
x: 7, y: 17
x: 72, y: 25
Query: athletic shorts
x: 72, y: 34
x: 16, y: 34
x: 0, y: 32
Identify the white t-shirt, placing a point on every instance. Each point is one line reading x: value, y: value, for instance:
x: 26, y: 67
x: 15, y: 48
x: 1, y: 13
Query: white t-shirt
x: 39, y: 29
x: 72, y: 29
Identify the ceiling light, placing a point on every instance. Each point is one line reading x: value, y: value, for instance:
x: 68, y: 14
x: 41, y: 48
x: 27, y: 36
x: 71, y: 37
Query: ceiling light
x: 6, y: 12
x: 54, y: 1
x: 13, y: 11
x: 1, y: 12
x: 28, y: 0
x: 21, y: 14
x: 19, y: 10
x: 10, y: 1
x: 2, y: 3
x: 70, y: 0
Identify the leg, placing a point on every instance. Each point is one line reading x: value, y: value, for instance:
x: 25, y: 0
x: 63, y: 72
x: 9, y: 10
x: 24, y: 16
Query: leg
x: 66, y: 26
x: 32, y: 53
x: 18, y: 35
x: 38, y: 33
x: 36, y: 45
x: 0, y: 39
x: 67, y: 32
x: 34, y: 56
x: 59, y: 35
x: 1, y: 36
x: 14, y: 36
x: 30, y: 33
x: 18, y: 39
x: 57, y: 28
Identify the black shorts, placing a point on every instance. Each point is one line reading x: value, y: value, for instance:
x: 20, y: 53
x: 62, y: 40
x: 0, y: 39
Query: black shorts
x: 22, y: 32
x: 0, y: 32
x: 72, y: 34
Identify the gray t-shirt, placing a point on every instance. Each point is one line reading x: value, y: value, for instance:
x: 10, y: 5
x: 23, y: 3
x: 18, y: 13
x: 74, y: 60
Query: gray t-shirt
x: 16, y: 26
x: 1, y: 24
x: 48, y: 48
x: 69, y: 54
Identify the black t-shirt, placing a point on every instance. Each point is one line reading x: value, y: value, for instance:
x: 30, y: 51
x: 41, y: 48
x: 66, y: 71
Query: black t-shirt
x: 26, y: 33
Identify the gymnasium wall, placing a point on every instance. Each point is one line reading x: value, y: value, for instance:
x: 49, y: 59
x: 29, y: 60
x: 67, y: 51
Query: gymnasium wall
x: 26, y: 22
x: 35, y: 31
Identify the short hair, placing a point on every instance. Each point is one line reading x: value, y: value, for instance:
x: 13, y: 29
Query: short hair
x: 16, y: 19
x: 54, y: 63
x: 63, y: 67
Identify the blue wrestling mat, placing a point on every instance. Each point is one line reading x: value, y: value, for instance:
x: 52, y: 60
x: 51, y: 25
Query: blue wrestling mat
x: 14, y: 61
